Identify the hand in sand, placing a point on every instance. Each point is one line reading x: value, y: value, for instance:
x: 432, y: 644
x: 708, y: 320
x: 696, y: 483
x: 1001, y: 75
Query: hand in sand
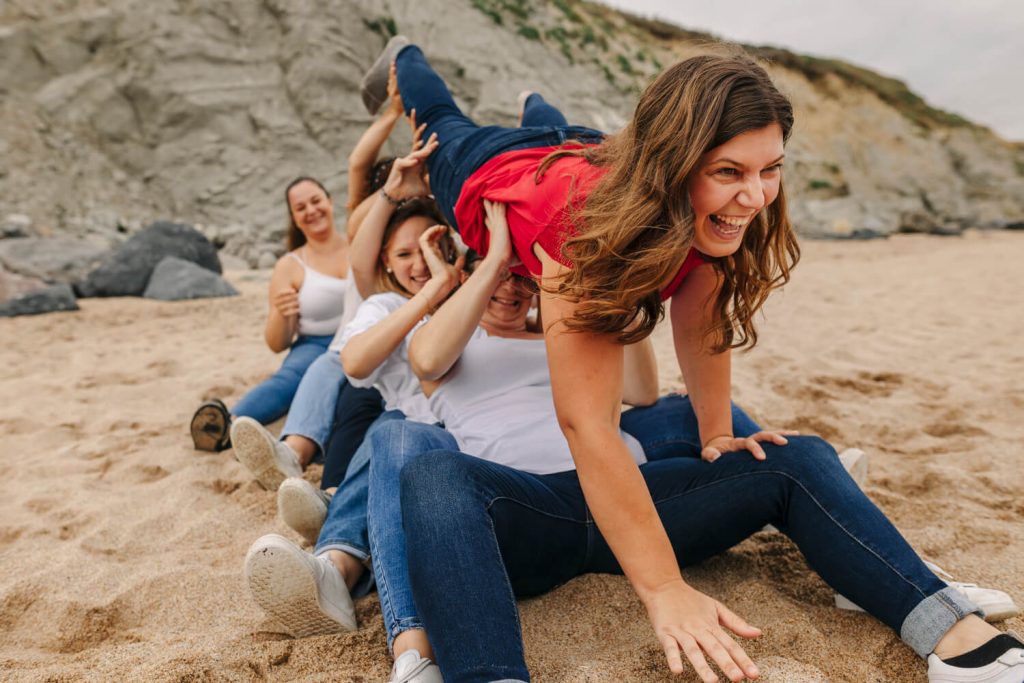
x: 286, y: 301
x: 687, y: 622
x: 726, y: 443
x: 408, y: 174
x: 443, y: 275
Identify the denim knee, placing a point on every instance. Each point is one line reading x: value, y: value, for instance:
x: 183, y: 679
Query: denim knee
x: 436, y: 482
x: 807, y: 459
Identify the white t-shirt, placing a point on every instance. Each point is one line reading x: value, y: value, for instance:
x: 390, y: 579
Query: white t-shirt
x: 497, y: 403
x: 393, y: 378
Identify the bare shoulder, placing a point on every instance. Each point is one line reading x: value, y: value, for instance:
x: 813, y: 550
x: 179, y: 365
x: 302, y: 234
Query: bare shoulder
x: 287, y: 272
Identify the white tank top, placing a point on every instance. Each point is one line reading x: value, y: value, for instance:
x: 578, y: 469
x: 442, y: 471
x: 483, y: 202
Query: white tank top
x: 321, y: 301
x: 497, y: 403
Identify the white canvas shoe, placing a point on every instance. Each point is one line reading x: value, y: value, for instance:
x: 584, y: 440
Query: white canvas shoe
x: 306, y: 594
x: 994, y: 604
x: 269, y: 460
x: 1008, y: 668
x: 410, y: 667
x: 303, y: 507
x: 855, y: 461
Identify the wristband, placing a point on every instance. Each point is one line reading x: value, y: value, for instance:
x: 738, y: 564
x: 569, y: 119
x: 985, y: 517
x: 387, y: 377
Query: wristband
x: 389, y: 199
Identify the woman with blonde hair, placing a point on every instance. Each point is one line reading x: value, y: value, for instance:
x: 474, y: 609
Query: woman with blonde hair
x: 686, y: 203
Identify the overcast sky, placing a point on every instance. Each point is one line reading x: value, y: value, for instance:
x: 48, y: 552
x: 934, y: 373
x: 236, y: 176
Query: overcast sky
x: 966, y: 56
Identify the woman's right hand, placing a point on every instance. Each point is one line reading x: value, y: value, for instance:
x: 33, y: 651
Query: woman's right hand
x: 688, y: 622
x: 443, y: 275
x: 408, y: 174
x: 499, y: 245
x: 286, y: 301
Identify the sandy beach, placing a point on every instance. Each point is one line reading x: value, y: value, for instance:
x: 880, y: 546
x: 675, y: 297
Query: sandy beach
x: 122, y: 547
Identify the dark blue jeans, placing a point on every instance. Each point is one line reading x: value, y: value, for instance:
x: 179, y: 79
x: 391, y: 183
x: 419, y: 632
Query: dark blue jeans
x: 479, y: 534
x: 355, y: 412
x: 464, y: 146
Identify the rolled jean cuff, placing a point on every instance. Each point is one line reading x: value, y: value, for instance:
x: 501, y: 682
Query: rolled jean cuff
x: 366, y: 582
x: 927, y: 623
x: 403, y: 625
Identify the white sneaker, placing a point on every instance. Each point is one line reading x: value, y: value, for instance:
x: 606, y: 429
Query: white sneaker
x: 411, y: 668
x: 306, y: 594
x: 269, y: 460
x: 995, y: 605
x: 303, y: 507
x: 855, y: 461
x: 1009, y: 668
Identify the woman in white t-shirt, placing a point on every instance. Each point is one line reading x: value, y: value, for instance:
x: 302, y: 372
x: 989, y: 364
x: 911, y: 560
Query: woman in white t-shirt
x: 414, y: 275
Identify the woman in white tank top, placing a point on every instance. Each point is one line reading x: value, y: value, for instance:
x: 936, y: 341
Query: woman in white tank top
x: 307, y: 301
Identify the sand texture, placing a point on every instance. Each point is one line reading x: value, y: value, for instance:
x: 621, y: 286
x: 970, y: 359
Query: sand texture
x: 122, y: 548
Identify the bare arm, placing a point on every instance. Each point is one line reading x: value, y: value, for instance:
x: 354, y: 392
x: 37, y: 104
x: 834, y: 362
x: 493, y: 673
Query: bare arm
x: 283, y: 317
x: 586, y: 379
x: 640, y: 377
x: 364, y: 353
x: 406, y: 180
x: 366, y: 151
x: 438, y: 344
x: 708, y: 374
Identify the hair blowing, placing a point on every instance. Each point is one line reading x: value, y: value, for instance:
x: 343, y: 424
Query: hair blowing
x: 637, y: 225
x: 295, y: 238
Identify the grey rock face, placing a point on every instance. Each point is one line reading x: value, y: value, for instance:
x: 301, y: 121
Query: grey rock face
x: 52, y: 260
x: 16, y: 225
x: 58, y: 297
x: 128, y: 268
x: 175, y: 279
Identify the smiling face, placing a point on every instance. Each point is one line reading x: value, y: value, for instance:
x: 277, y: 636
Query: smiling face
x: 403, y: 256
x: 731, y: 185
x: 508, y: 306
x: 311, y: 209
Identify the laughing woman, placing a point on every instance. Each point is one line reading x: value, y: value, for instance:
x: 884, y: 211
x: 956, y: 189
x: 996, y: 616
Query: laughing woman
x: 685, y: 204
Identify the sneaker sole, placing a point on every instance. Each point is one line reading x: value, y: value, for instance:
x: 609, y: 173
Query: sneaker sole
x: 377, y: 72
x: 283, y: 586
x: 301, y: 511
x: 254, y: 451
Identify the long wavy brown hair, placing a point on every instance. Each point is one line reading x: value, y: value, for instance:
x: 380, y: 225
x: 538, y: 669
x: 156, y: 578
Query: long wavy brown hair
x: 636, y: 226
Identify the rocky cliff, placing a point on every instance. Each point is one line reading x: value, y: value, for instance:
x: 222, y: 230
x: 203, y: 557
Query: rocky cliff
x: 116, y: 112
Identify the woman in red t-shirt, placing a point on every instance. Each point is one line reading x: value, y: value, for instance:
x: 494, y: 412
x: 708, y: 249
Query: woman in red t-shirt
x: 686, y: 202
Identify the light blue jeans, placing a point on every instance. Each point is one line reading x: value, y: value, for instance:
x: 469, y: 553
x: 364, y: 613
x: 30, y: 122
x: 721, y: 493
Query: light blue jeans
x: 312, y: 412
x: 270, y: 399
x: 345, y: 528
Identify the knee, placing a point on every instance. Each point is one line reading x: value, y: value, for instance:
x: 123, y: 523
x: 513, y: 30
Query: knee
x: 805, y: 458
x: 436, y: 483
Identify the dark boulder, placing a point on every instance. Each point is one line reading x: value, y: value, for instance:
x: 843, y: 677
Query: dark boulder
x: 127, y: 269
x: 175, y: 279
x: 58, y: 297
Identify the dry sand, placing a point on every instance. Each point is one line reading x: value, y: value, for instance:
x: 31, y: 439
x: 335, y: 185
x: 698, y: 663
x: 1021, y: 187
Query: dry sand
x: 121, y: 548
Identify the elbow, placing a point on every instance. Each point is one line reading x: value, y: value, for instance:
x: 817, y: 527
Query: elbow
x: 353, y: 365
x: 425, y: 367
x: 584, y: 431
x: 275, y: 343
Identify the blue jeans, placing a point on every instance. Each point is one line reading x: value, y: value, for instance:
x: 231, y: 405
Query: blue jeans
x: 394, y: 445
x: 478, y: 534
x: 463, y: 145
x: 270, y: 399
x: 398, y: 443
x: 312, y: 411
x: 345, y: 527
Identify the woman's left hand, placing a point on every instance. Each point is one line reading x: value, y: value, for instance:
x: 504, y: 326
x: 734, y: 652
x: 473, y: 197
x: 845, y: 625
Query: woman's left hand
x: 727, y: 443
x: 443, y: 275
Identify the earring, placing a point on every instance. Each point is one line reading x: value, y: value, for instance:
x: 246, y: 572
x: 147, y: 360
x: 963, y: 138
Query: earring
x: 388, y: 270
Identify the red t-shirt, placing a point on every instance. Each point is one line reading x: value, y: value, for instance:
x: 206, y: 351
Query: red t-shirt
x: 538, y: 213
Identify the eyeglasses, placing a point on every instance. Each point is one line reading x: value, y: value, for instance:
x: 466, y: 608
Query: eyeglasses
x: 527, y: 284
